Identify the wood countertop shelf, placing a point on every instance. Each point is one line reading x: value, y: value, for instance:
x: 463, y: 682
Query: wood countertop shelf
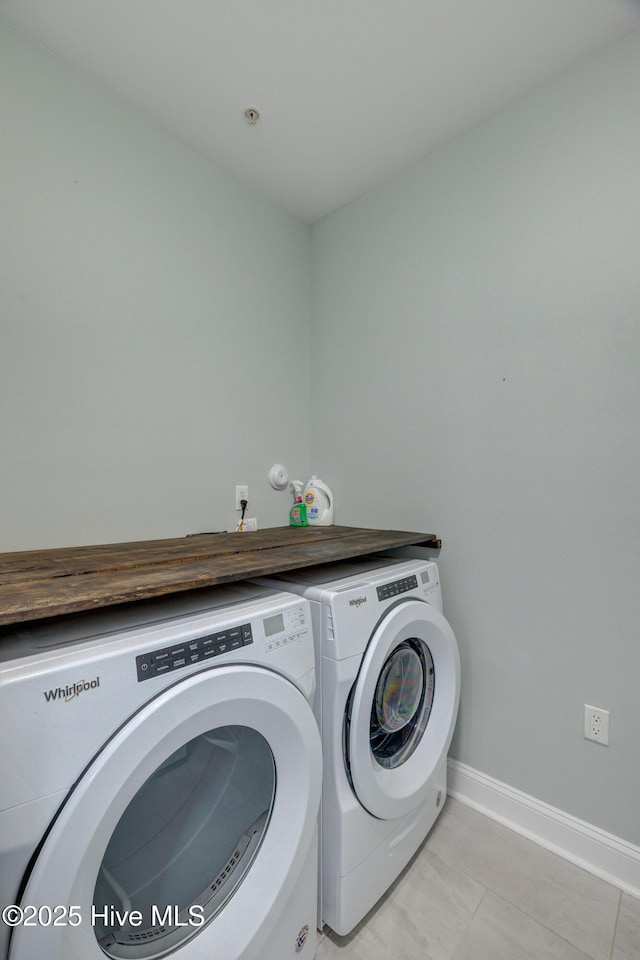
x: 43, y: 583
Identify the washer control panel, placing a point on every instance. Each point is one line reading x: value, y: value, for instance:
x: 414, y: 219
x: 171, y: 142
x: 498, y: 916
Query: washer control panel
x: 183, y: 654
x: 397, y: 587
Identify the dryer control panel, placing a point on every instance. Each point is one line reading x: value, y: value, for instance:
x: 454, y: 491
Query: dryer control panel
x: 192, y: 651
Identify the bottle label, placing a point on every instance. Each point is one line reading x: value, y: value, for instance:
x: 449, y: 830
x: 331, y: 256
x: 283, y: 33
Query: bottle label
x: 298, y: 516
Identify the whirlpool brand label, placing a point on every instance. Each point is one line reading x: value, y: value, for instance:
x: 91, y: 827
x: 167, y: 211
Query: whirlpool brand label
x: 65, y: 694
x: 357, y: 601
x: 301, y: 939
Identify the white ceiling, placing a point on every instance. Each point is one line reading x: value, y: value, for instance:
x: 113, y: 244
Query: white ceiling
x: 350, y: 91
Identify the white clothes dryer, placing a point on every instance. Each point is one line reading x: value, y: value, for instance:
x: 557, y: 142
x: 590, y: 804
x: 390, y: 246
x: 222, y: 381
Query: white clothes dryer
x: 387, y: 700
x: 161, y: 778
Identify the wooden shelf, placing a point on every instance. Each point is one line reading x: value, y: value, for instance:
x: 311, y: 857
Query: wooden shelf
x: 43, y: 583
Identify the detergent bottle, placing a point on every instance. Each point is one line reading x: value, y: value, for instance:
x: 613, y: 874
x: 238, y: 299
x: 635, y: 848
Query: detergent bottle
x: 298, y: 512
x: 319, y: 503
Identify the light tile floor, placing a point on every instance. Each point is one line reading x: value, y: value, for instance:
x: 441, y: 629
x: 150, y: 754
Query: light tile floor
x: 478, y: 891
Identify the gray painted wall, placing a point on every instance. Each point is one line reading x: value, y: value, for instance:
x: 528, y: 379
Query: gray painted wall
x: 474, y: 359
x: 474, y: 356
x: 154, y: 317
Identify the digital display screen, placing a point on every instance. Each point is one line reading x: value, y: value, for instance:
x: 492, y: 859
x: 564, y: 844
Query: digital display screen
x: 273, y: 625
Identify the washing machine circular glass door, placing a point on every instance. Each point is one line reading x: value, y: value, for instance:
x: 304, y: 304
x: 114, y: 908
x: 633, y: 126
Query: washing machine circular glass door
x: 187, y: 832
x: 402, y: 709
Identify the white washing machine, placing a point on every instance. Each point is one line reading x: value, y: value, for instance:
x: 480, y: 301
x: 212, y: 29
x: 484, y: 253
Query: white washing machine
x: 387, y: 700
x: 161, y: 778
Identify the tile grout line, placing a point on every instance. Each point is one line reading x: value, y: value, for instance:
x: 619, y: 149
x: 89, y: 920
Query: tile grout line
x: 460, y: 942
x: 554, y: 933
x: 615, y: 926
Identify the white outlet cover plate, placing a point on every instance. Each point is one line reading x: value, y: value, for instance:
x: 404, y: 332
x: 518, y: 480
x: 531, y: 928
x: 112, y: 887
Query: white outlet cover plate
x: 596, y: 724
x: 242, y: 493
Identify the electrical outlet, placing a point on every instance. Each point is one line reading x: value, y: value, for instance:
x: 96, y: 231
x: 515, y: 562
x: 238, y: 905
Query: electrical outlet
x: 249, y: 525
x: 596, y: 724
x: 242, y: 493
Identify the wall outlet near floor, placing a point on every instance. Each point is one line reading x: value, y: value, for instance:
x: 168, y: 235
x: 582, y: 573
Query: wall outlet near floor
x: 596, y: 724
x: 250, y: 524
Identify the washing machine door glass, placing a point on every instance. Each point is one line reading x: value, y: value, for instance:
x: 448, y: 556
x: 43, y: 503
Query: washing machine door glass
x: 402, y: 709
x: 186, y: 840
x: 402, y: 703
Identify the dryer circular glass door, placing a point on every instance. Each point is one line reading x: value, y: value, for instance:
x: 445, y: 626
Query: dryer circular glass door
x: 188, y: 830
x: 185, y: 841
x: 402, y: 709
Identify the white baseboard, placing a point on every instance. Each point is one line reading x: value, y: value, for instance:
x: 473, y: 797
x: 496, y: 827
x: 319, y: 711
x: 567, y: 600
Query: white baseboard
x: 601, y: 853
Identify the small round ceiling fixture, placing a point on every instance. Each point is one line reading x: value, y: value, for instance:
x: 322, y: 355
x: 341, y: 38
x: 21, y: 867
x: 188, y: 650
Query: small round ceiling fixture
x: 251, y: 116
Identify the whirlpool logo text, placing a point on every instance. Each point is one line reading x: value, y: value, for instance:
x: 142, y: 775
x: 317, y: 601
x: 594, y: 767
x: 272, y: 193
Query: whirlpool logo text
x: 357, y: 601
x: 70, y: 693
